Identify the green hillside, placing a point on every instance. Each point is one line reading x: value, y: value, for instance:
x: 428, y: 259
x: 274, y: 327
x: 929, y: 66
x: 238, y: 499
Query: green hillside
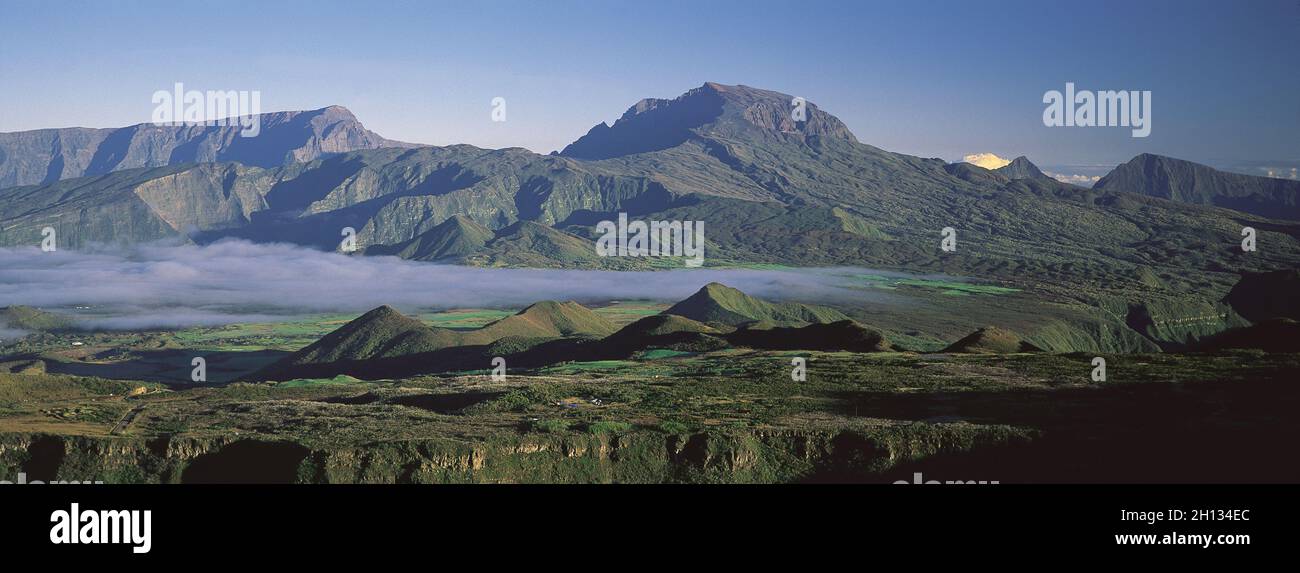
x: 27, y: 318
x: 385, y: 342
x: 380, y: 333
x: 992, y: 340
x: 458, y: 236
x: 546, y: 319
x: 721, y: 304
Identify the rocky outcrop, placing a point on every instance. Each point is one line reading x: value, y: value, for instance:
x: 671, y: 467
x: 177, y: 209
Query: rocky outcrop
x: 711, y: 109
x: 644, y: 456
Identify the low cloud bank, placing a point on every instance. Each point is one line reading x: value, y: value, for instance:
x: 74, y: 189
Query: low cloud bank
x: 155, y: 286
x: 1074, y: 178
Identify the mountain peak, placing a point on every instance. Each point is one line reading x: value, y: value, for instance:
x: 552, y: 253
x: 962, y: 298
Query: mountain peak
x: 713, y: 109
x: 381, y: 311
x: 547, y: 306
x: 991, y: 340
x: 545, y: 319
x: 338, y: 112
x: 380, y: 333
x: 1021, y: 168
x: 717, y: 303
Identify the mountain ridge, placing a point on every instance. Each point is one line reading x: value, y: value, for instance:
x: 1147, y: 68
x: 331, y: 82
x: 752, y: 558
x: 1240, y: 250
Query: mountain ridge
x: 44, y: 156
x: 767, y: 196
x: 1189, y: 182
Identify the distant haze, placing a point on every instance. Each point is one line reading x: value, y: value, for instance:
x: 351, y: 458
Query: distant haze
x: 236, y: 281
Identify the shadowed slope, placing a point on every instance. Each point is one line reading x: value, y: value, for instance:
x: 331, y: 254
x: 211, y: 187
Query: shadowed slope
x: 1274, y: 335
x: 841, y: 335
x: 1261, y: 296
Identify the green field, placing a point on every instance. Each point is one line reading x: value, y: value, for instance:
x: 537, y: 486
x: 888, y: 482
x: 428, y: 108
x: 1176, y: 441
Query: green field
x: 946, y: 287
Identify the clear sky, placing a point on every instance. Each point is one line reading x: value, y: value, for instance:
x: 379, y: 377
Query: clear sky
x: 937, y: 79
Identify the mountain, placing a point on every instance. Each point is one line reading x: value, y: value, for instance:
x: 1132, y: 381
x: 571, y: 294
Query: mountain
x: 380, y: 333
x: 1188, y: 182
x: 662, y: 331
x: 711, y: 110
x: 49, y: 155
x: 1021, y: 168
x: 1263, y: 296
x: 721, y: 304
x: 768, y: 190
x: 663, y: 324
x: 975, y: 174
x: 388, y: 195
x: 991, y: 340
x: 458, y: 236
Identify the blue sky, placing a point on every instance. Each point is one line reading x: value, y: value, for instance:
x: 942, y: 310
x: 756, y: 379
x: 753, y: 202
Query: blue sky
x: 937, y: 79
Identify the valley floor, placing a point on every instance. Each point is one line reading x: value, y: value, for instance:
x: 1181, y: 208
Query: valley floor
x: 730, y: 416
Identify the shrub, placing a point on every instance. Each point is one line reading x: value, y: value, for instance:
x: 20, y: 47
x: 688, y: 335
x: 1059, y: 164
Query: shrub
x: 609, y: 427
x: 551, y: 426
x: 673, y: 427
